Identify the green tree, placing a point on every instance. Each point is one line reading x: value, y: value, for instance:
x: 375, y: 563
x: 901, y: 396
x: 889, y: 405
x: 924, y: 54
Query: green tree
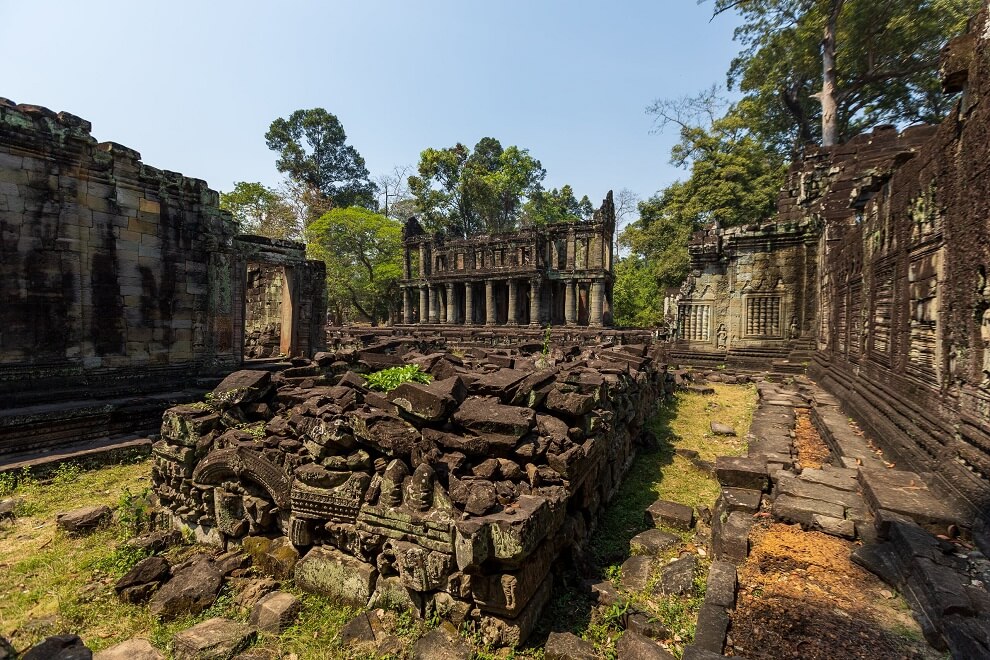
x: 549, y: 206
x: 362, y: 251
x: 637, y: 296
x: 823, y: 70
x: 467, y: 193
x: 261, y: 210
x: 313, y: 151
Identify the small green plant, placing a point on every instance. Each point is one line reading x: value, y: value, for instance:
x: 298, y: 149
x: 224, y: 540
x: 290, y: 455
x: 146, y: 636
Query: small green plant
x: 387, y: 380
x: 546, y: 340
x: 134, y: 511
x: 8, y: 483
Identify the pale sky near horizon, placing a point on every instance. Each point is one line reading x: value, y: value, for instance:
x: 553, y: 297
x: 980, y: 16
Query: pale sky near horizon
x: 194, y: 86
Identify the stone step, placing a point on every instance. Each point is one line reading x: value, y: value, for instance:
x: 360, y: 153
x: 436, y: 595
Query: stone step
x: 907, y: 494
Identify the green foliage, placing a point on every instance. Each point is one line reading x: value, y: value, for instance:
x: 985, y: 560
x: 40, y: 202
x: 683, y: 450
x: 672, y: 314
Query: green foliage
x: 637, y: 296
x: 547, y: 338
x: 362, y: 251
x: 260, y: 210
x: 887, y: 56
x: 481, y: 192
x: 313, y: 152
x: 548, y: 206
x: 134, y: 511
x: 387, y: 380
x: 8, y: 483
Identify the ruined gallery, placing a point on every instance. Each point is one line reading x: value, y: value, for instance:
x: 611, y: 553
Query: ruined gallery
x: 532, y: 483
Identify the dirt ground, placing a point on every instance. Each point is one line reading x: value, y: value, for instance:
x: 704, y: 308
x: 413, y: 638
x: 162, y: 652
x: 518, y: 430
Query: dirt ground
x: 800, y: 596
x: 811, y: 449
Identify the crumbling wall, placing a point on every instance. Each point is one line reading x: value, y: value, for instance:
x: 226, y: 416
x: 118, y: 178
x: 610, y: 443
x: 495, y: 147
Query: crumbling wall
x: 904, y: 335
x: 454, y: 497
x: 263, y: 311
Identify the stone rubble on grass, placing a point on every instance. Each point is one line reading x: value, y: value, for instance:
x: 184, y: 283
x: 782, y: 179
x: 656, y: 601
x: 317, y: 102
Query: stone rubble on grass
x: 275, y: 612
x: 132, y: 649
x: 59, y: 647
x: 213, y: 639
x: 83, y: 519
x: 568, y: 646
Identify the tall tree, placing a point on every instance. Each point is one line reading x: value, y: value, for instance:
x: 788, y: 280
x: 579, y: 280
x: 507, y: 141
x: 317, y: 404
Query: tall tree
x: 548, y: 206
x: 466, y: 192
x: 313, y: 152
x: 362, y: 251
x: 393, y: 189
x: 261, y: 210
x: 826, y: 69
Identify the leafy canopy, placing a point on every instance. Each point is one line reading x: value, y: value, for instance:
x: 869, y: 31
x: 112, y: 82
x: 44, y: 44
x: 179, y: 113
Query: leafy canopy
x: 313, y: 151
x: 469, y: 193
x: 362, y: 251
x: 260, y: 210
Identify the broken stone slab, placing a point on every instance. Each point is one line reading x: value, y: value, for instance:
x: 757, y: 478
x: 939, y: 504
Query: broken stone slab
x: 7, y: 651
x: 719, y: 428
x: 275, y: 612
x: 720, y: 588
x: 700, y: 389
x: 132, y: 649
x: 741, y: 499
x: 442, y: 643
x: 83, y: 519
x: 730, y: 535
x: 834, y: 526
x: 605, y: 593
x: 840, y: 478
x: 9, y: 506
x: 677, y: 577
x: 798, y: 487
x: 191, y: 590
x: 364, y: 629
x: 696, y: 653
x: 213, y: 639
x: 156, y: 541
x: 432, y: 402
x: 741, y: 472
x: 790, y: 508
x: 633, y: 646
x: 144, y: 578
x: 643, y: 624
x: 568, y: 646
x: 329, y: 572
x: 488, y: 417
x: 573, y: 405
x: 653, y: 542
x: 712, y: 627
x: 243, y: 386
x: 672, y: 514
x: 385, y: 432
x: 906, y: 493
x: 59, y: 647
x: 510, y: 535
x: 501, y: 383
x: 636, y: 573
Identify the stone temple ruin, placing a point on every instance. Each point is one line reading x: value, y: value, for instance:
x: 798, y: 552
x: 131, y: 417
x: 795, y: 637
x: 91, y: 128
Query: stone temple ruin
x: 459, y: 497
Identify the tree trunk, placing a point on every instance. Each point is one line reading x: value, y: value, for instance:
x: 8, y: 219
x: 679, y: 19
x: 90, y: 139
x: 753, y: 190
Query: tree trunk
x: 827, y: 97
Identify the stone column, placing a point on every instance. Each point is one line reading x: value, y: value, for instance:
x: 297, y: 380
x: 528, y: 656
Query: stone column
x: 441, y: 307
x: 434, y: 305
x: 451, y: 304
x: 422, y: 260
x: 513, y: 308
x: 468, y: 304
x: 424, y: 304
x: 596, y: 311
x: 570, y: 309
x: 534, y: 302
x: 407, y: 305
x: 489, y: 302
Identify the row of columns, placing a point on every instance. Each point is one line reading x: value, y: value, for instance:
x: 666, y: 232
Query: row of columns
x: 432, y: 311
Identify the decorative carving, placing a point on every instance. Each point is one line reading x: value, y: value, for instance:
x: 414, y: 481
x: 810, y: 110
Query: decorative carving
x: 241, y: 463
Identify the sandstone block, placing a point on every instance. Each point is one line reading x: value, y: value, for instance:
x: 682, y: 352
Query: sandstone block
x: 275, y: 612
x: 677, y: 577
x: 713, y: 625
x: 190, y: 591
x: 671, y: 514
x: 213, y: 639
x: 568, y: 646
x: 59, y: 647
x: 441, y: 643
x: 633, y: 646
x: 242, y: 386
x: 132, y: 649
x: 801, y: 510
x: 653, y: 542
x: 329, y: 572
x: 721, y: 585
x: 83, y: 519
x: 741, y: 472
x: 636, y: 572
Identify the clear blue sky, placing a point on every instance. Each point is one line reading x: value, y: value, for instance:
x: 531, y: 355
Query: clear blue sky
x: 193, y: 86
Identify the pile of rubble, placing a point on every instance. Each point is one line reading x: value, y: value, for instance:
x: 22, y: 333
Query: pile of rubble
x: 454, y: 497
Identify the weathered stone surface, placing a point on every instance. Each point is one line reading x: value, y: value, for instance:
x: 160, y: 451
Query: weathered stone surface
x: 441, y: 643
x: 275, y: 612
x: 798, y: 487
x: 730, y: 537
x: 636, y: 572
x: 59, y: 647
x: 643, y: 624
x: 488, y: 417
x: 801, y: 510
x: 213, y: 639
x: 713, y: 624
x: 329, y: 572
x: 834, y: 526
x: 720, y: 587
x: 433, y: 402
x: 696, y: 653
x: 568, y: 646
x: 677, y: 577
x: 633, y: 646
x: 132, y: 649
x: 653, y: 542
x: 359, y: 631
x: 153, y: 571
x: 242, y: 386
x: 741, y: 472
x: 7, y: 651
x: 722, y: 429
x: 190, y: 591
x: 156, y: 541
x: 907, y: 494
x: 671, y: 514
x: 741, y: 499
x: 9, y: 505
x: 83, y: 519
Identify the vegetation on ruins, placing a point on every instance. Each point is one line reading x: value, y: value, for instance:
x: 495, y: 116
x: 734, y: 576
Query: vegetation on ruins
x: 362, y: 251
x: 313, y: 152
x: 261, y: 210
x: 387, y: 380
x: 825, y: 70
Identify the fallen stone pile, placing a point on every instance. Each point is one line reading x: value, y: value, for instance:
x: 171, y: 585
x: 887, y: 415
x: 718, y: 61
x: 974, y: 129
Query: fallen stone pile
x: 454, y: 497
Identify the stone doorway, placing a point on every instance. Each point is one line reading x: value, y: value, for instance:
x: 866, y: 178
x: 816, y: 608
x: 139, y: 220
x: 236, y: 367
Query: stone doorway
x: 268, y: 311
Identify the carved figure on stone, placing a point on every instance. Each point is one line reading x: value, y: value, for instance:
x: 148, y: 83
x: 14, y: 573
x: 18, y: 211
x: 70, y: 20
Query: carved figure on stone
x: 421, y: 488
x: 391, y: 486
x: 795, y: 330
x: 985, y: 336
x: 721, y: 337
